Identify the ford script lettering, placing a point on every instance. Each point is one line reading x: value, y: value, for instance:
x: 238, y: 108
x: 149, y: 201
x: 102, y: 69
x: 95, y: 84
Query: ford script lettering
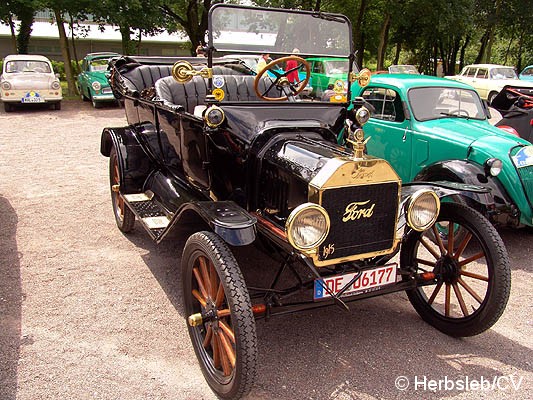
x: 357, y: 210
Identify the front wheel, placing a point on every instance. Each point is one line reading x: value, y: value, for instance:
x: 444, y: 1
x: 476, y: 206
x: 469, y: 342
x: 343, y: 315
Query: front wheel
x: 216, y: 297
x: 472, y: 277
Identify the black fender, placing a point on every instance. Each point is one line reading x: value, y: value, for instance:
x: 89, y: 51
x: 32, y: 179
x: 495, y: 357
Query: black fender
x: 227, y: 219
x: 135, y: 164
x: 192, y: 208
x: 461, y: 171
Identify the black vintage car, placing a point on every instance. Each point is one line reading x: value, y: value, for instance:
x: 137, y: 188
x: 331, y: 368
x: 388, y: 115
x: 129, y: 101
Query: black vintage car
x: 242, y: 156
x: 515, y: 103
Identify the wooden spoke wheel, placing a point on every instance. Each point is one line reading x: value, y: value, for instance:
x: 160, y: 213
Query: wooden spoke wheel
x: 220, y: 318
x: 124, y: 217
x: 472, y: 274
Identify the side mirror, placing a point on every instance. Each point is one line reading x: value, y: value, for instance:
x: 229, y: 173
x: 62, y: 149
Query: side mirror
x: 57, y: 75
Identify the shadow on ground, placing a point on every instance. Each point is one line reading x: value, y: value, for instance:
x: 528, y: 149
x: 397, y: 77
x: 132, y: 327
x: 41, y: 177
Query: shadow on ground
x: 334, y: 354
x: 10, y: 301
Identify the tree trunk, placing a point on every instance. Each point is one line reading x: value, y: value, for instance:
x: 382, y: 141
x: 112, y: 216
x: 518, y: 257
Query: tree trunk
x: 397, y: 53
x: 462, y: 55
x: 26, y: 22
x: 138, y: 45
x: 127, y: 46
x: 65, y: 52
x: 74, y: 50
x: 383, y: 40
x: 13, y: 34
x: 358, y: 34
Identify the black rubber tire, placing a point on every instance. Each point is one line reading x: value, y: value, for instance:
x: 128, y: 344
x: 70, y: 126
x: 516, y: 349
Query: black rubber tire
x: 495, y: 271
x: 491, y: 97
x: 124, y: 217
x: 8, y: 107
x: 82, y: 96
x: 57, y: 106
x: 212, y: 248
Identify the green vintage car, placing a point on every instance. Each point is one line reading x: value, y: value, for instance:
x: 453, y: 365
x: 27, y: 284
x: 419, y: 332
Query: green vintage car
x: 433, y: 129
x: 92, y: 82
x: 326, y: 71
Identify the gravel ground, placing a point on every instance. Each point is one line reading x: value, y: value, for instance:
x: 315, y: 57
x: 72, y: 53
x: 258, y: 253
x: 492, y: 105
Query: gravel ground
x: 88, y: 313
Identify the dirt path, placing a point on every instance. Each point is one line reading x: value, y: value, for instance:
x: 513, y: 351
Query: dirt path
x: 88, y: 313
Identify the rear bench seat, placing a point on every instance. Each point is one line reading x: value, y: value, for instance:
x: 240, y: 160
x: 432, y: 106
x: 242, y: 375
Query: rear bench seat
x: 237, y: 88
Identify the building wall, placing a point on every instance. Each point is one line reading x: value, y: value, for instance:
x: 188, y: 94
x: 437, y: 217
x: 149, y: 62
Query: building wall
x: 49, y: 47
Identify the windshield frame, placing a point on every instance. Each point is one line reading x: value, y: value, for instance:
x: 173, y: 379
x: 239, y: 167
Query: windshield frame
x: 339, y: 18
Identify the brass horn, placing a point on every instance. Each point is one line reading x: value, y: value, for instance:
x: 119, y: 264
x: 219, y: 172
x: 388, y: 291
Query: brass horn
x: 362, y: 78
x: 183, y: 71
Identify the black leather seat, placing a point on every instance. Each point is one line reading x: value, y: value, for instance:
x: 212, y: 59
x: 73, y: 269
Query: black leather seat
x: 237, y: 88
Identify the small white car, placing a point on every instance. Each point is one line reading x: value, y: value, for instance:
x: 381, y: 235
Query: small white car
x: 489, y: 79
x: 29, y: 79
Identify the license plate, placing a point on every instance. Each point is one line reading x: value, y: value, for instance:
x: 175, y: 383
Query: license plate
x: 32, y: 97
x: 369, y: 281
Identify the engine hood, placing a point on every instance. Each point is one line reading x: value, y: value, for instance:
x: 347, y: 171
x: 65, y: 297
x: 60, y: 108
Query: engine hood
x: 464, y: 132
x: 29, y: 80
x: 98, y: 77
x: 249, y: 122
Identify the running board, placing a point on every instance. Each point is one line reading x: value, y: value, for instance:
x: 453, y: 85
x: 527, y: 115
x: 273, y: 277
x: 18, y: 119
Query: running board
x: 151, y: 214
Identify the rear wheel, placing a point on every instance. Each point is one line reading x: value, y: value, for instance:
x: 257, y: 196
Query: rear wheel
x: 472, y: 277
x: 124, y: 217
x: 224, y: 336
x: 8, y: 107
x: 57, y: 105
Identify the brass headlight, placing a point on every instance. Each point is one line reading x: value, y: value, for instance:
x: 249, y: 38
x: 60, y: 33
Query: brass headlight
x: 96, y: 85
x: 56, y: 85
x: 307, y: 226
x: 6, y: 85
x: 422, y: 209
x: 362, y: 115
x: 214, y: 116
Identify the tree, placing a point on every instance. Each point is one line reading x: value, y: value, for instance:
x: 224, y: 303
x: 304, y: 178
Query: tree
x: 190, y: 15
x: 130, y: 16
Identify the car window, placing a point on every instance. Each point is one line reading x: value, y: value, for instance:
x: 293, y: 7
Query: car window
x: 470, y: 72
x: 444, y: 102
x: 41, y: 67
x: 528, y: 72
x: 482, y: 73
x: 386, y: 102
x: 318, y: 67
x: 337, y: 67
x: 503, y: 73
x: 98, y: 65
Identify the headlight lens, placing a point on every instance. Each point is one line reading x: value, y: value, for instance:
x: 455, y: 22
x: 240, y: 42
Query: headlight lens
x: 6, y: 85
x: 96, y: 85
x: 307, y: 226
x: 362, y: 115
x: 214, y: 116
x: 493, y: 166
x: 422, y: 209
x: 56, y: 85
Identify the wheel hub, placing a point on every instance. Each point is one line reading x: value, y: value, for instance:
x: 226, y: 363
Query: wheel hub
x: 447, y: 268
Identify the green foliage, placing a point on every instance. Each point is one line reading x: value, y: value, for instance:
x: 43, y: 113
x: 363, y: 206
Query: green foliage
x: 59, y: 68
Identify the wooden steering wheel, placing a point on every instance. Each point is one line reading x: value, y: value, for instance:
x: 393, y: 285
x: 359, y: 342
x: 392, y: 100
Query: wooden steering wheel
x: 281, y: 81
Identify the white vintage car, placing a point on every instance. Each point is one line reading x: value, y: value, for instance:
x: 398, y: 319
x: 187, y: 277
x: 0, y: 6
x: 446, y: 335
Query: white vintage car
x: 29, y: 79
x: 489, y: 79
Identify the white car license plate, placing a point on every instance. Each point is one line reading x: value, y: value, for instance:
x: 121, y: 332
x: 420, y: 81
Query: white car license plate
x: 370, y: 280
x: 32, y: 97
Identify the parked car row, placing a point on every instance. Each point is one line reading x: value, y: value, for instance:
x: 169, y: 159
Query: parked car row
x: 30, y: 79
